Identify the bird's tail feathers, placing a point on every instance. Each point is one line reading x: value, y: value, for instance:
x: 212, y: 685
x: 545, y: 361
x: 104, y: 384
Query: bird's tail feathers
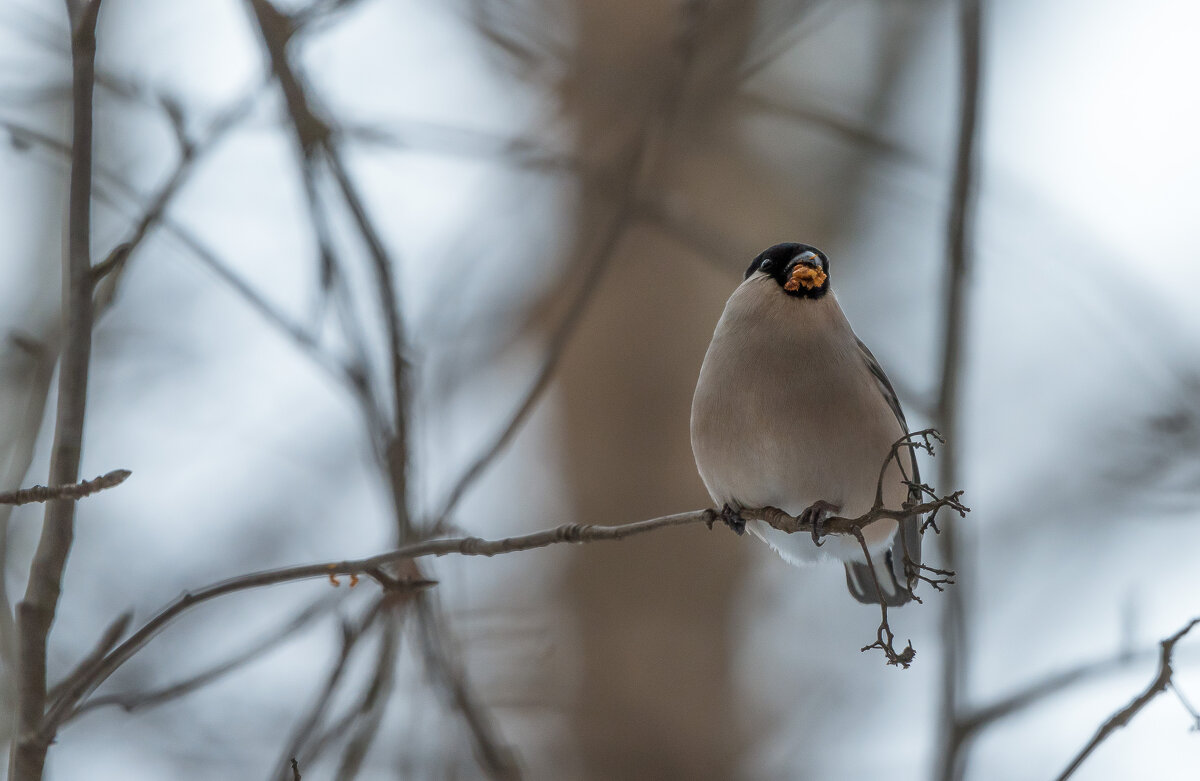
x: 890, y: 570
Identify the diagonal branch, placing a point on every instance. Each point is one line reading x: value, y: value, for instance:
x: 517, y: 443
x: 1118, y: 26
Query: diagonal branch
x: 135, y: 701
x: 1122, y: 717
x: 110, y: 638
x: 495, y: 757
x: 554, y: 352
x: 368, y: 713
x: 301, y: 743
x: 1032, y: 694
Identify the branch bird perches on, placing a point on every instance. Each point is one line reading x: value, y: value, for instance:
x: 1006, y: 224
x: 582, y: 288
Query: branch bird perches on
x: 70, y: 700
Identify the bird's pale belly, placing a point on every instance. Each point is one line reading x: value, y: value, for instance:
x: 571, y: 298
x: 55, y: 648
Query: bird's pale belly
x: 806, y: 450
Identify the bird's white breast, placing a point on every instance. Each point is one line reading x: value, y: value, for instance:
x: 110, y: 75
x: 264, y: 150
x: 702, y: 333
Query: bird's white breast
x: 786, y: 412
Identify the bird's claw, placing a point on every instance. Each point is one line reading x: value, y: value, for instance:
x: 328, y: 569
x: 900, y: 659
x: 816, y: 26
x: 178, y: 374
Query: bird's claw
x: 816, y: 514
x: 734, y: 520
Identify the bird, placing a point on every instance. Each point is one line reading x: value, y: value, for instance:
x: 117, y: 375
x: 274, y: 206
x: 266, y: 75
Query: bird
x: 793, y: 411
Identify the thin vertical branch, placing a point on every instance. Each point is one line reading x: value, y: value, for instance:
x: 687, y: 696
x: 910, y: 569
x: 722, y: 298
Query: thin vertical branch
x: 396, y: 448
x: 960, y: 229
x: 35, y: 613
x: 301, y: 742
x: 370, y: 711
x: 314, y: 135
x: 494, y: 755
x: 25, y: 437
x: 106, y: 275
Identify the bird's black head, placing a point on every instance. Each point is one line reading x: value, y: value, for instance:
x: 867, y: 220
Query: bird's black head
x: 802, y: 271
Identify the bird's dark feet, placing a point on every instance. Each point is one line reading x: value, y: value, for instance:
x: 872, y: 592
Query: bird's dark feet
x: 734, y: 520
x: 816, y: 514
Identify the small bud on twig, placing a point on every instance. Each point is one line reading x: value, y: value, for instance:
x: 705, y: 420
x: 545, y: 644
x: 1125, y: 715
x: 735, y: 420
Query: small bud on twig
x: 41, y: 493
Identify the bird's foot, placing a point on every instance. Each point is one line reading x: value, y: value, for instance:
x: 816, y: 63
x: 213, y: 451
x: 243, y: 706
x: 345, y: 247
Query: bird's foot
x: 816, y: 514
x: 734, y: 520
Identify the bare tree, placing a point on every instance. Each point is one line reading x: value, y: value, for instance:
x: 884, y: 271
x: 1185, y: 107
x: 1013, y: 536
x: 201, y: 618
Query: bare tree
x: 650, y: 120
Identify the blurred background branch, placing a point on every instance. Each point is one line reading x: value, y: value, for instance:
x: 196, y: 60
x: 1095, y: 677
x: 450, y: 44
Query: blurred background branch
x: 1162, y: 680
x: 960, y: 232
x: 36, y: 611
x: 489, y: 240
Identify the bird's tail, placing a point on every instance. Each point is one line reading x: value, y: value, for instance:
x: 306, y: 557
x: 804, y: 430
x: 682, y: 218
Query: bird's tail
x: 890, y: 570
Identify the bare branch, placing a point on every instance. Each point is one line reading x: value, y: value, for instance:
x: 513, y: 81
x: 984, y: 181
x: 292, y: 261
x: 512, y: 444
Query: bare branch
x: 1040, y: 690
x: 107, y: 640
x: 884, y: 637
x: 554, y: 352
x: 467, y: 546
x: 1122, y: 717
x: 35, y: 613
x: 24, y: 438
x: 1187, y: 705
x: 300, y: 742
x: 313, y: 135
x: 959, y: 229
x: 134, y: 701
x: 41, y: 493
x: 368, y: 713
x: 494, y: 755
x: 389, y: 613
x: 827, y: 120
x: 470, y: 546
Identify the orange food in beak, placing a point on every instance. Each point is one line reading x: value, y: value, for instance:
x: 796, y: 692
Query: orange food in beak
x: 807, y: 277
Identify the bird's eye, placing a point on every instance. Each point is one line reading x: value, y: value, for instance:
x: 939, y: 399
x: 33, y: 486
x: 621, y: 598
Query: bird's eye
x: 767, y: 266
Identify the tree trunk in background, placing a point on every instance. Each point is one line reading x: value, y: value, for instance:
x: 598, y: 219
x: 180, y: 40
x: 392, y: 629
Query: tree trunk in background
x: 656, y: 694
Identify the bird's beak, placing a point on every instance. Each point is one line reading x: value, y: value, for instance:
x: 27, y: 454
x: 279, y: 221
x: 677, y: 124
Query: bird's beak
x: 805, y: 272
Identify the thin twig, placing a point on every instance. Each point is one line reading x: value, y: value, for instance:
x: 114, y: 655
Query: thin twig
x: 72, y: 492
x: 1122, y: 717
x: 1187, y: 705
x: 107, y: 640
x: 135, y: 701
x: 313, y: 134
x: 554, y: 352
x: 495, y: 756
x: 396, y: 448
x: 980, y: 718
x: 300, y: 742
x: 317, y: 141
x: 25, y: 432
x: 883, y: 637
x: 369, y: 712
x: 359, y: 712
x: 36, y: 612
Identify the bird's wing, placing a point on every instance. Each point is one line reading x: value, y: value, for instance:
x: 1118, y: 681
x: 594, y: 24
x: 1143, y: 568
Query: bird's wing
x: 890, y: 572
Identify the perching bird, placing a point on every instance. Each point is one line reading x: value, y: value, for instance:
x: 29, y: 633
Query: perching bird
x: 793, y: 411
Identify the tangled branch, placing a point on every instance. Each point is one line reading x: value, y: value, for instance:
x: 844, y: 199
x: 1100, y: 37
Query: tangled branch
x: 42, y: 493
x: 917, y: 572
